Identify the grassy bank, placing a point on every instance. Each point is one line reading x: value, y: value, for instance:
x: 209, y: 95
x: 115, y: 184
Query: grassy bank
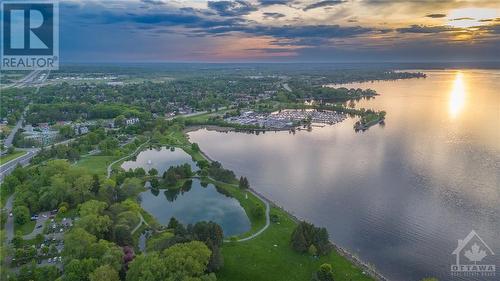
x: 6, y: 158
x: 96, y: 164
x: 269, y: 257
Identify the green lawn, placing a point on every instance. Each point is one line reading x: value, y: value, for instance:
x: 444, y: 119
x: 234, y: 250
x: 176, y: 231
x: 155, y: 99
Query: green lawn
x: 14, y: 155
x: 96, y: 164
x: 26, y: 228
x: 269, y: 257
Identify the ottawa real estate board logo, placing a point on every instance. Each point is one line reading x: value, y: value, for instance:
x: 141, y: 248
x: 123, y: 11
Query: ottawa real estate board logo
x: 471, y: 258
x: 30, y: 35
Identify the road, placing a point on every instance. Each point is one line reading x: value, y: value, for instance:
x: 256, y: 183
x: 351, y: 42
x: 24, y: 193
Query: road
x: 9, y: 224
x: 19, y: 124
x: 287, y: 87
x: 195, y: 113
x: 23, y: 160
x: 30, y: 79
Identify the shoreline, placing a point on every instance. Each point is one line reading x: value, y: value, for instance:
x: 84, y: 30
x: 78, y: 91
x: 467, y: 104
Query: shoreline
x: 222, y: 129
x: 368, y: 269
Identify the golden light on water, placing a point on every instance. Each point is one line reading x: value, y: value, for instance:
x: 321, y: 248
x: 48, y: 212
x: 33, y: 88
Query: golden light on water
x: 457, y: 95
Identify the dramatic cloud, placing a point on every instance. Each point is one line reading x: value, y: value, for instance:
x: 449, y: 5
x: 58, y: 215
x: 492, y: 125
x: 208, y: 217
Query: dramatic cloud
x: 426, y: 29
x: 290, y: 29
x: 436, y: 16
x: 274, y: 2
x: 465, y: 18
x: 321, y: 4
x: 153, y: 2
x: 232, y: 8
x: 273, y: 15
x: 296, y: 32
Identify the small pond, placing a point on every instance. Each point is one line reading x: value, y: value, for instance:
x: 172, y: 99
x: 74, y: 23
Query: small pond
x: 195, y: 202
x: 160, y: 159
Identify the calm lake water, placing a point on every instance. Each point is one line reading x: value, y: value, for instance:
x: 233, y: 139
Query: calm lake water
x: 160, y: 159
x: 399, y: 196
x: 197, y: 203
x: 193, y: 202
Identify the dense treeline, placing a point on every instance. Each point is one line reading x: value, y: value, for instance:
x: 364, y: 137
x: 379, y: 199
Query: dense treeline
x: 308, y: 238
x: 39, y: 113
x: 13, y: 102
x: 217, y: 172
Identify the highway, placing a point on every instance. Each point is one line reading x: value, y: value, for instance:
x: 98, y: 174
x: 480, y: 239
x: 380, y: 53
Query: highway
x: 24, y: 160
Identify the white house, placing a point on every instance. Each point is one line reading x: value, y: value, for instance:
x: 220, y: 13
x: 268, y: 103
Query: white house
x: 132, y: 121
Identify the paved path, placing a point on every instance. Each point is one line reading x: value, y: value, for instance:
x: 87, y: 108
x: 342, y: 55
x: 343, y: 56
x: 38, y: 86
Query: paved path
x: 142, y: 221
x: 268, y: 209
x: 124, y: 157
x: 268, y: 219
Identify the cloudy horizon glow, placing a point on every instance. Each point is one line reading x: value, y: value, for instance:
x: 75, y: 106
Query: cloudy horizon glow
x: 279, y: 30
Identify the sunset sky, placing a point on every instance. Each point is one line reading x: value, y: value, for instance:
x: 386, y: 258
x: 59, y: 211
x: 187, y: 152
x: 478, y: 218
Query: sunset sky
x: 279, y: 30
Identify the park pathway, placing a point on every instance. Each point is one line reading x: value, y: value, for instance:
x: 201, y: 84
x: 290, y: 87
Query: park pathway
x: 268, y: 219
x: 123, y: 158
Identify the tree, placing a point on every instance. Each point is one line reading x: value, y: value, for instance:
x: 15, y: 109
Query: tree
x: 92, y: 218
x: 186, y: 261
x: 10, y: 182
x: 195, y: 147
x: 139, y: 172
x: 120, y: 121
x: 258, y: 212
x: 153, y: 172
x: 173, y: 223
x: 21, y: 214
x: 306, y: 234
x: 208, y: 232
x: 324, y: 273
x: 122, y: 235
x: 79, y: 270
x: 299, y: 242
x: 104, y: 273
x: 78, y: 244
x: 244, y: 183
x: 312, y: 250
x: 95, y: 184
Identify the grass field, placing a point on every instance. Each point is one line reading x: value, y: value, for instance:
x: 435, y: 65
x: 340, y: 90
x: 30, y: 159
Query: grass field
x: 26, y: 228
x: 96, y: 164
x: 14, y: 155
x: 269, y: 257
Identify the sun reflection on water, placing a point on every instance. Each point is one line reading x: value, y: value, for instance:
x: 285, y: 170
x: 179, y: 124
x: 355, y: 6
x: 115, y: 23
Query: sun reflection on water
x: 457, y: 95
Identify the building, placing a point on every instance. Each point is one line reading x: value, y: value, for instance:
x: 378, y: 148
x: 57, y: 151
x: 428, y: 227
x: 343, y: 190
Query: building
x: 81, y: 130
x: 132, y: 121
